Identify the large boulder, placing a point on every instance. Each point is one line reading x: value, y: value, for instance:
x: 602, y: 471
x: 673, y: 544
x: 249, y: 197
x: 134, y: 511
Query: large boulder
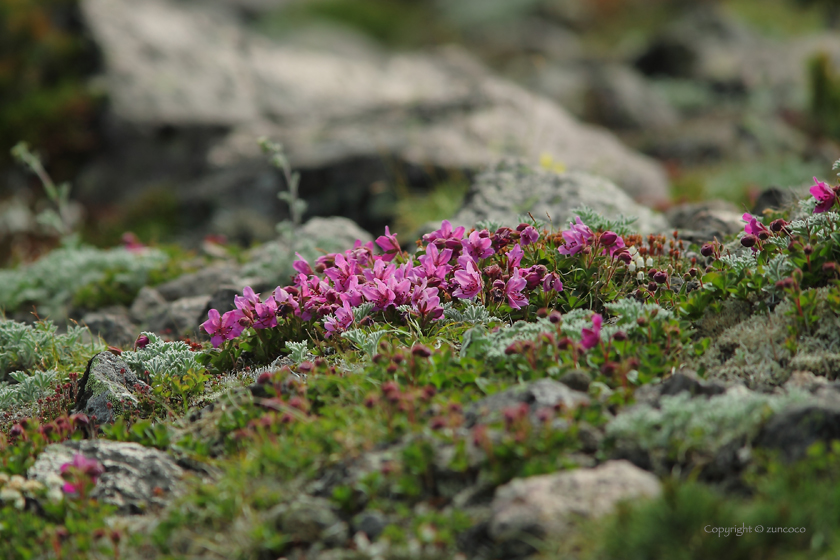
x: 551, y: 505
x: 512, y: 189
x: 136, y: 478
x: 107, y: 387
x: 190, y: 78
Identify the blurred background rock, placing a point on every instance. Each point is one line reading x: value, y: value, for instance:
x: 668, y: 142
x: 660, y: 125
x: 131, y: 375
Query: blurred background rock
x: 389, y: 108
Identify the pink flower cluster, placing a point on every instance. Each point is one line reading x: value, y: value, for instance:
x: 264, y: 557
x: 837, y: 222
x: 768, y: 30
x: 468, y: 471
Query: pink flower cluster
x: 579, y: 238
x: 452, y: 265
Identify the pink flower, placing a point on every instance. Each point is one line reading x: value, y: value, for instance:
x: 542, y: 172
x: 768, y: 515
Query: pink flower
x: 552, y: 282
x: 477, y: 246
x: 754, y: 227
x: 226, y: 327
x: 825, y: 196
x: 576, y: 238
x: 469, y: 282
x: 341, y: 272
x: 446, y: 236
x: 265, y: 314
x: 590, y: 338
x: 426, y: 301
x: 528, y: 236
x: 389, y: 244
x: 515, y: 256
x: 81, y: 466
x: 513, y: 290
x: 132, y: 243
x: 379, y: 294
x: 284, y: 302
x: 301, y: 265
x: 339, y: 322
x: 247, y: 300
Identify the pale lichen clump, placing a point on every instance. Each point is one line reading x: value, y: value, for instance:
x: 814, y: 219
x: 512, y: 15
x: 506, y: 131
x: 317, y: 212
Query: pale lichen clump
x: 758, y: 352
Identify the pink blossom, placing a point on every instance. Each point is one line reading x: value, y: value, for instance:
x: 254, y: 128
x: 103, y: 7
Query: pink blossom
x: 90, y: 468
x: 446, y: 236
x: 284, y: 302
x: 552, y: 282
x: 576, y: 238
x: 249, y: 300
x: 340, y: 321
x: 426, y: 301
x: 225, y: 327
x: 301, y: 265
x: 528, y: 236
x: 477, y: 246
x: 515, y: 256
x: 379, y: 294
x: 513, y: 290
x: 389, y: 244
x: 132, y: 243
x: 825, y: 196
x: 754, y: 227
x: 590, y: 338
x: 265, y: 314
x: 341, y: 272
x: 469, y: 281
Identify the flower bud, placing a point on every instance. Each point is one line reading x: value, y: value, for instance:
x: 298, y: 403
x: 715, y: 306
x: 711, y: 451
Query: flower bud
x: 660, y: 277
x: 778, y: 225
x: 707, y: 250
x: 608, y: 238
x: 749, y: 240
x: 141, y: 342
x: 620, y: 336
x: 651, y: 286
x: 808, y: 249
x: 421, y: 351
x: 555, y: 317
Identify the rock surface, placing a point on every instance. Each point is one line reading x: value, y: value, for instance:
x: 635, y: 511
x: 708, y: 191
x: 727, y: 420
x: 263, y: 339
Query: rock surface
x: 550, y: 505
x: 108, y: 384
x: 545, y: 393
x: 351, y: 116
x: 512, y: 190
x: 136, y: 478
x: 113, y: 325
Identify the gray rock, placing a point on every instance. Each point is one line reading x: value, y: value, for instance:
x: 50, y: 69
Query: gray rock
x: 113, y: 325
x: 107, y: 385
x: 576, y: 379
x: 172, y: 64
x: 371, y: 523
x: 202, y: 282
x: 136, y: 478
x: 308, y: 519
x: 713, y: 215
x: 620, y: 97
x: 545, y: 393
x: 551, y: 505
x: 147, y: 304
x: 791, y: 432
x: 683, y: 381
x: 181, y: 317
x: 348, y: 113
x: 511, y: 189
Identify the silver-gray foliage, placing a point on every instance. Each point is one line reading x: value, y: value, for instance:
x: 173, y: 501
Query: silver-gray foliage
x: 162, y: 359
x: 52, y: 281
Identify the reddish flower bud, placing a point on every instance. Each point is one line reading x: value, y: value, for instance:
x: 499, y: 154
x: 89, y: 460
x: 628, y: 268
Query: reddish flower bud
x: 421, y: 351
x: 264, y: 378
x: 437, y: 423
x: 660, y: 277
x: 620, y: 336
x: 141, y: 342
x: 555, y: 317
x: 707, y: 250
